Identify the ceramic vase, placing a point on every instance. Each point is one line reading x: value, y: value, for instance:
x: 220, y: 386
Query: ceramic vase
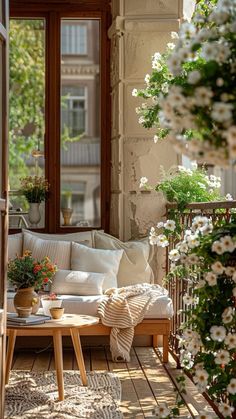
x: 34, y: 213
x: 27, y: 297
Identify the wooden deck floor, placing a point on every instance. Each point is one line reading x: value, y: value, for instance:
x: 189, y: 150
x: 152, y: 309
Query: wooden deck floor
x: 145, y: 381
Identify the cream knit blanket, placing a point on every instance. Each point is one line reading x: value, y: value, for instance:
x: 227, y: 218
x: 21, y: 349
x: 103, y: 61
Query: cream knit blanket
x: 122, y: 310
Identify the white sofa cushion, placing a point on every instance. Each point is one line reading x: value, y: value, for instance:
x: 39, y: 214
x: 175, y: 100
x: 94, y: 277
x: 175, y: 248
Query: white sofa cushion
x: 59, y: 252
x: 77, y: 283
x: 84, y: 237
x: 134, y: 267
x: 15, y: 245
x: 162, y: 308
x: 84, y: 258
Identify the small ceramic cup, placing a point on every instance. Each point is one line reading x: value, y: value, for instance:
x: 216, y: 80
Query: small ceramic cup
x: 57, y: 312
x: 24, y: 311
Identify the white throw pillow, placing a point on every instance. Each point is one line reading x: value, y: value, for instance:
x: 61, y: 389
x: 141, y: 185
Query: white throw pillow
x: 15, y: 245
x: 59, y: 252
x: 77, y: 282
x: 84, y: 258
x: 84, y: 237
x: 134, y: 266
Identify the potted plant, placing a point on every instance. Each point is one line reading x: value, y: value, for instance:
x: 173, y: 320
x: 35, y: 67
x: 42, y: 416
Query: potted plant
x: 29, y: 275
x: 35, y: 189
x: 50, y: 301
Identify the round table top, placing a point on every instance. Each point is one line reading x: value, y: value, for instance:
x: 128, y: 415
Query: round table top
x: 68, y: 321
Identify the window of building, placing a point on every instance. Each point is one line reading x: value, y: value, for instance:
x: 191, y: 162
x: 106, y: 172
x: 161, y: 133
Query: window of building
x: 74, y: 39
x: 73, y: 110
x: 57, y: 120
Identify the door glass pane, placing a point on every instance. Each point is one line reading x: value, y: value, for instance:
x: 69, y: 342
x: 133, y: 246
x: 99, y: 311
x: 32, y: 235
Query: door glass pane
x: 80, y: 123
x: 26, y: 110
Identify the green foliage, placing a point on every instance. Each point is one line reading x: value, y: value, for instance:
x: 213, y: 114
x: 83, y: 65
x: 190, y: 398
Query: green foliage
x: 25, y: 271
x: 27, y: 92
x: 185, y: 186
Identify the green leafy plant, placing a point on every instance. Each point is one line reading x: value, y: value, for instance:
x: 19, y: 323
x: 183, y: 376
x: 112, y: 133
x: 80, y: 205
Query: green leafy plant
x: 25, y: 271
x: 34, y: 188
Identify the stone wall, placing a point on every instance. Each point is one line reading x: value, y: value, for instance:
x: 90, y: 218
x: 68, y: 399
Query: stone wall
x: 139, y: 29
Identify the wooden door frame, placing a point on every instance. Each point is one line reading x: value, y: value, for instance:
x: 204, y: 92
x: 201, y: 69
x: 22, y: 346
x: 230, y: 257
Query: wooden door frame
x: 3, y: 199
x: 52, y: 11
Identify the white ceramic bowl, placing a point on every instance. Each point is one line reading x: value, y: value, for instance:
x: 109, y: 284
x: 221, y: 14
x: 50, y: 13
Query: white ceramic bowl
x: 47, y: 304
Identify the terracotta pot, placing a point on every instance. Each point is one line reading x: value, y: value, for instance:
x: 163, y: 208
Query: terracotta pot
x: 27, y: 297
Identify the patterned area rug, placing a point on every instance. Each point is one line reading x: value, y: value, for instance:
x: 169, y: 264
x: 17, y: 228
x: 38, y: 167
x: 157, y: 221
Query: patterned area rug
x: 34, y: 395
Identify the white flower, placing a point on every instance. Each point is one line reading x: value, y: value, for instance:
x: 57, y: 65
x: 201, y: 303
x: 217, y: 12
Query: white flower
x: 231, y: 135
x: 199, y: 222
x: 193, y: 259
x: 155, y: 139
x: 187, y: 29
x: 209, y: 51
x: 174, y: 63
x: 225, y: 409
x: 183, y: 247
x: 174, y: 255
x: 165, y: 88
x: 218, y: 247
x: 234, y: 277
x: 230, y: 340
x: 160, y: 224
x: 147, y: 78
x: 228, y: 243
x: 162, y: 411
x: 222, y: 357
x: 221, y: 112
x: 143, y: 181
x: 194, y: 165
x: 187, y: 299
x: 231, y: 387
x: 193, y: 241
x: 141, y: 120
x: 194, y: 76
x: 171, y: 45
x: 162, y: 241
x: 211, y: 278
x: 217, y: 268
x: 227, y: 315
x: 201, y: 377
x: 229, y: 197
x: 203, y: 96
x: 204, y: 415
x: 135, y: 92
x: 218, y: 333
x: 184, y: 260
x: 174, y: 35
x: 229, y: 270
x: 170, y: 225
x: 156, y: 65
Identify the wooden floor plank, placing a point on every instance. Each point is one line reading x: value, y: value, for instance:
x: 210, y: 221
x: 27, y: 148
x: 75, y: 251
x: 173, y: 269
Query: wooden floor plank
x: 99, y: 361
x: 42, y: 361
x: 87, y: 360
x: 159, y: 381
x: 129, y: 405
x: 142, y: 388
x: 23, y: 360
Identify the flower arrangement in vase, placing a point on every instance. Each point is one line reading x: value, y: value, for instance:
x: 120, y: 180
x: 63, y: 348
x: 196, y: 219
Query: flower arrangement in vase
x: 35, y: 189
x: 206, y: 257
x: 29, y: 275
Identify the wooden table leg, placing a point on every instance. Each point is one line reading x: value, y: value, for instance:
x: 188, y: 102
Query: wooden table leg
x: 79, y: 354
x: 58, y: 354
x: 10, y: 350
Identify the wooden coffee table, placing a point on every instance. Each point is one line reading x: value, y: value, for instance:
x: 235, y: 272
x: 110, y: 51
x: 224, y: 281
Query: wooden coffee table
x: 68, y: 325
